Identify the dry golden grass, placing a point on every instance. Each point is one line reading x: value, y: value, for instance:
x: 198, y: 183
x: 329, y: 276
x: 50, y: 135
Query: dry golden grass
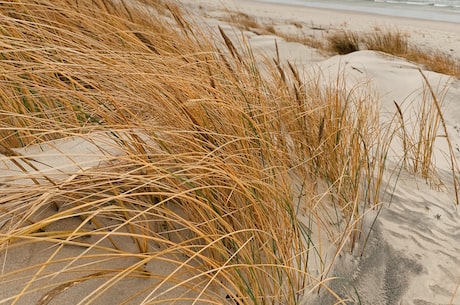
x: 418, y: 138
x: 343, y: 42
x: 391, y: 42
x: 215, y: 163
x: 435, y: 60
x: 246, y: 22
x: 307, y: 40
x: 397, y: 43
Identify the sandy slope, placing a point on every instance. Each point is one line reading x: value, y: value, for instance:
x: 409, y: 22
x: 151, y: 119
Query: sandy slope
x: 412, y: 255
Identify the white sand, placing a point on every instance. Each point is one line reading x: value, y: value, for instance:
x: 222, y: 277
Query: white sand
x: 413, y: 253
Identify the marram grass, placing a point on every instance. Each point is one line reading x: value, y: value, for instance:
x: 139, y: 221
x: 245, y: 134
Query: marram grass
x: 209, y: 181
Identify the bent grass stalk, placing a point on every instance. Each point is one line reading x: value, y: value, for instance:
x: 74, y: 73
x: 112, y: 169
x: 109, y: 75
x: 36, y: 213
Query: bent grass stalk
x: 453, y: 162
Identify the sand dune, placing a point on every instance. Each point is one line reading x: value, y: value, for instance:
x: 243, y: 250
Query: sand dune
x: 412, y: 253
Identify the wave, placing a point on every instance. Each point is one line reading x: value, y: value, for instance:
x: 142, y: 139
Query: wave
x: 437, y: 3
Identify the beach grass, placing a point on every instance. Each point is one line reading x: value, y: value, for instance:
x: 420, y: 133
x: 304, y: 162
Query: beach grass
x: 213, y: 181
x: 343, y: 42
x: 396, y: 43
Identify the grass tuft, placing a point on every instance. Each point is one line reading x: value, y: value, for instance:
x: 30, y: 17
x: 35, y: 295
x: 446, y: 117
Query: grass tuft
x: 343, y: 42
x: 391, y: 42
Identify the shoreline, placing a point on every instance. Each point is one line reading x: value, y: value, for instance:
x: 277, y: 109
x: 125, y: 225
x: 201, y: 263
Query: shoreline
x: 398, y: 10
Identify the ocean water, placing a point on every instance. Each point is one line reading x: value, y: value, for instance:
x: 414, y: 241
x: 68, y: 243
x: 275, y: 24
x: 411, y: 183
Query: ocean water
x: 440, y: 10
x: 440, y: 3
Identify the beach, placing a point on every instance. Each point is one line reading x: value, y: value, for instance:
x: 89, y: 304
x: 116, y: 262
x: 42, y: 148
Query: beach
x: 209, y: 155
